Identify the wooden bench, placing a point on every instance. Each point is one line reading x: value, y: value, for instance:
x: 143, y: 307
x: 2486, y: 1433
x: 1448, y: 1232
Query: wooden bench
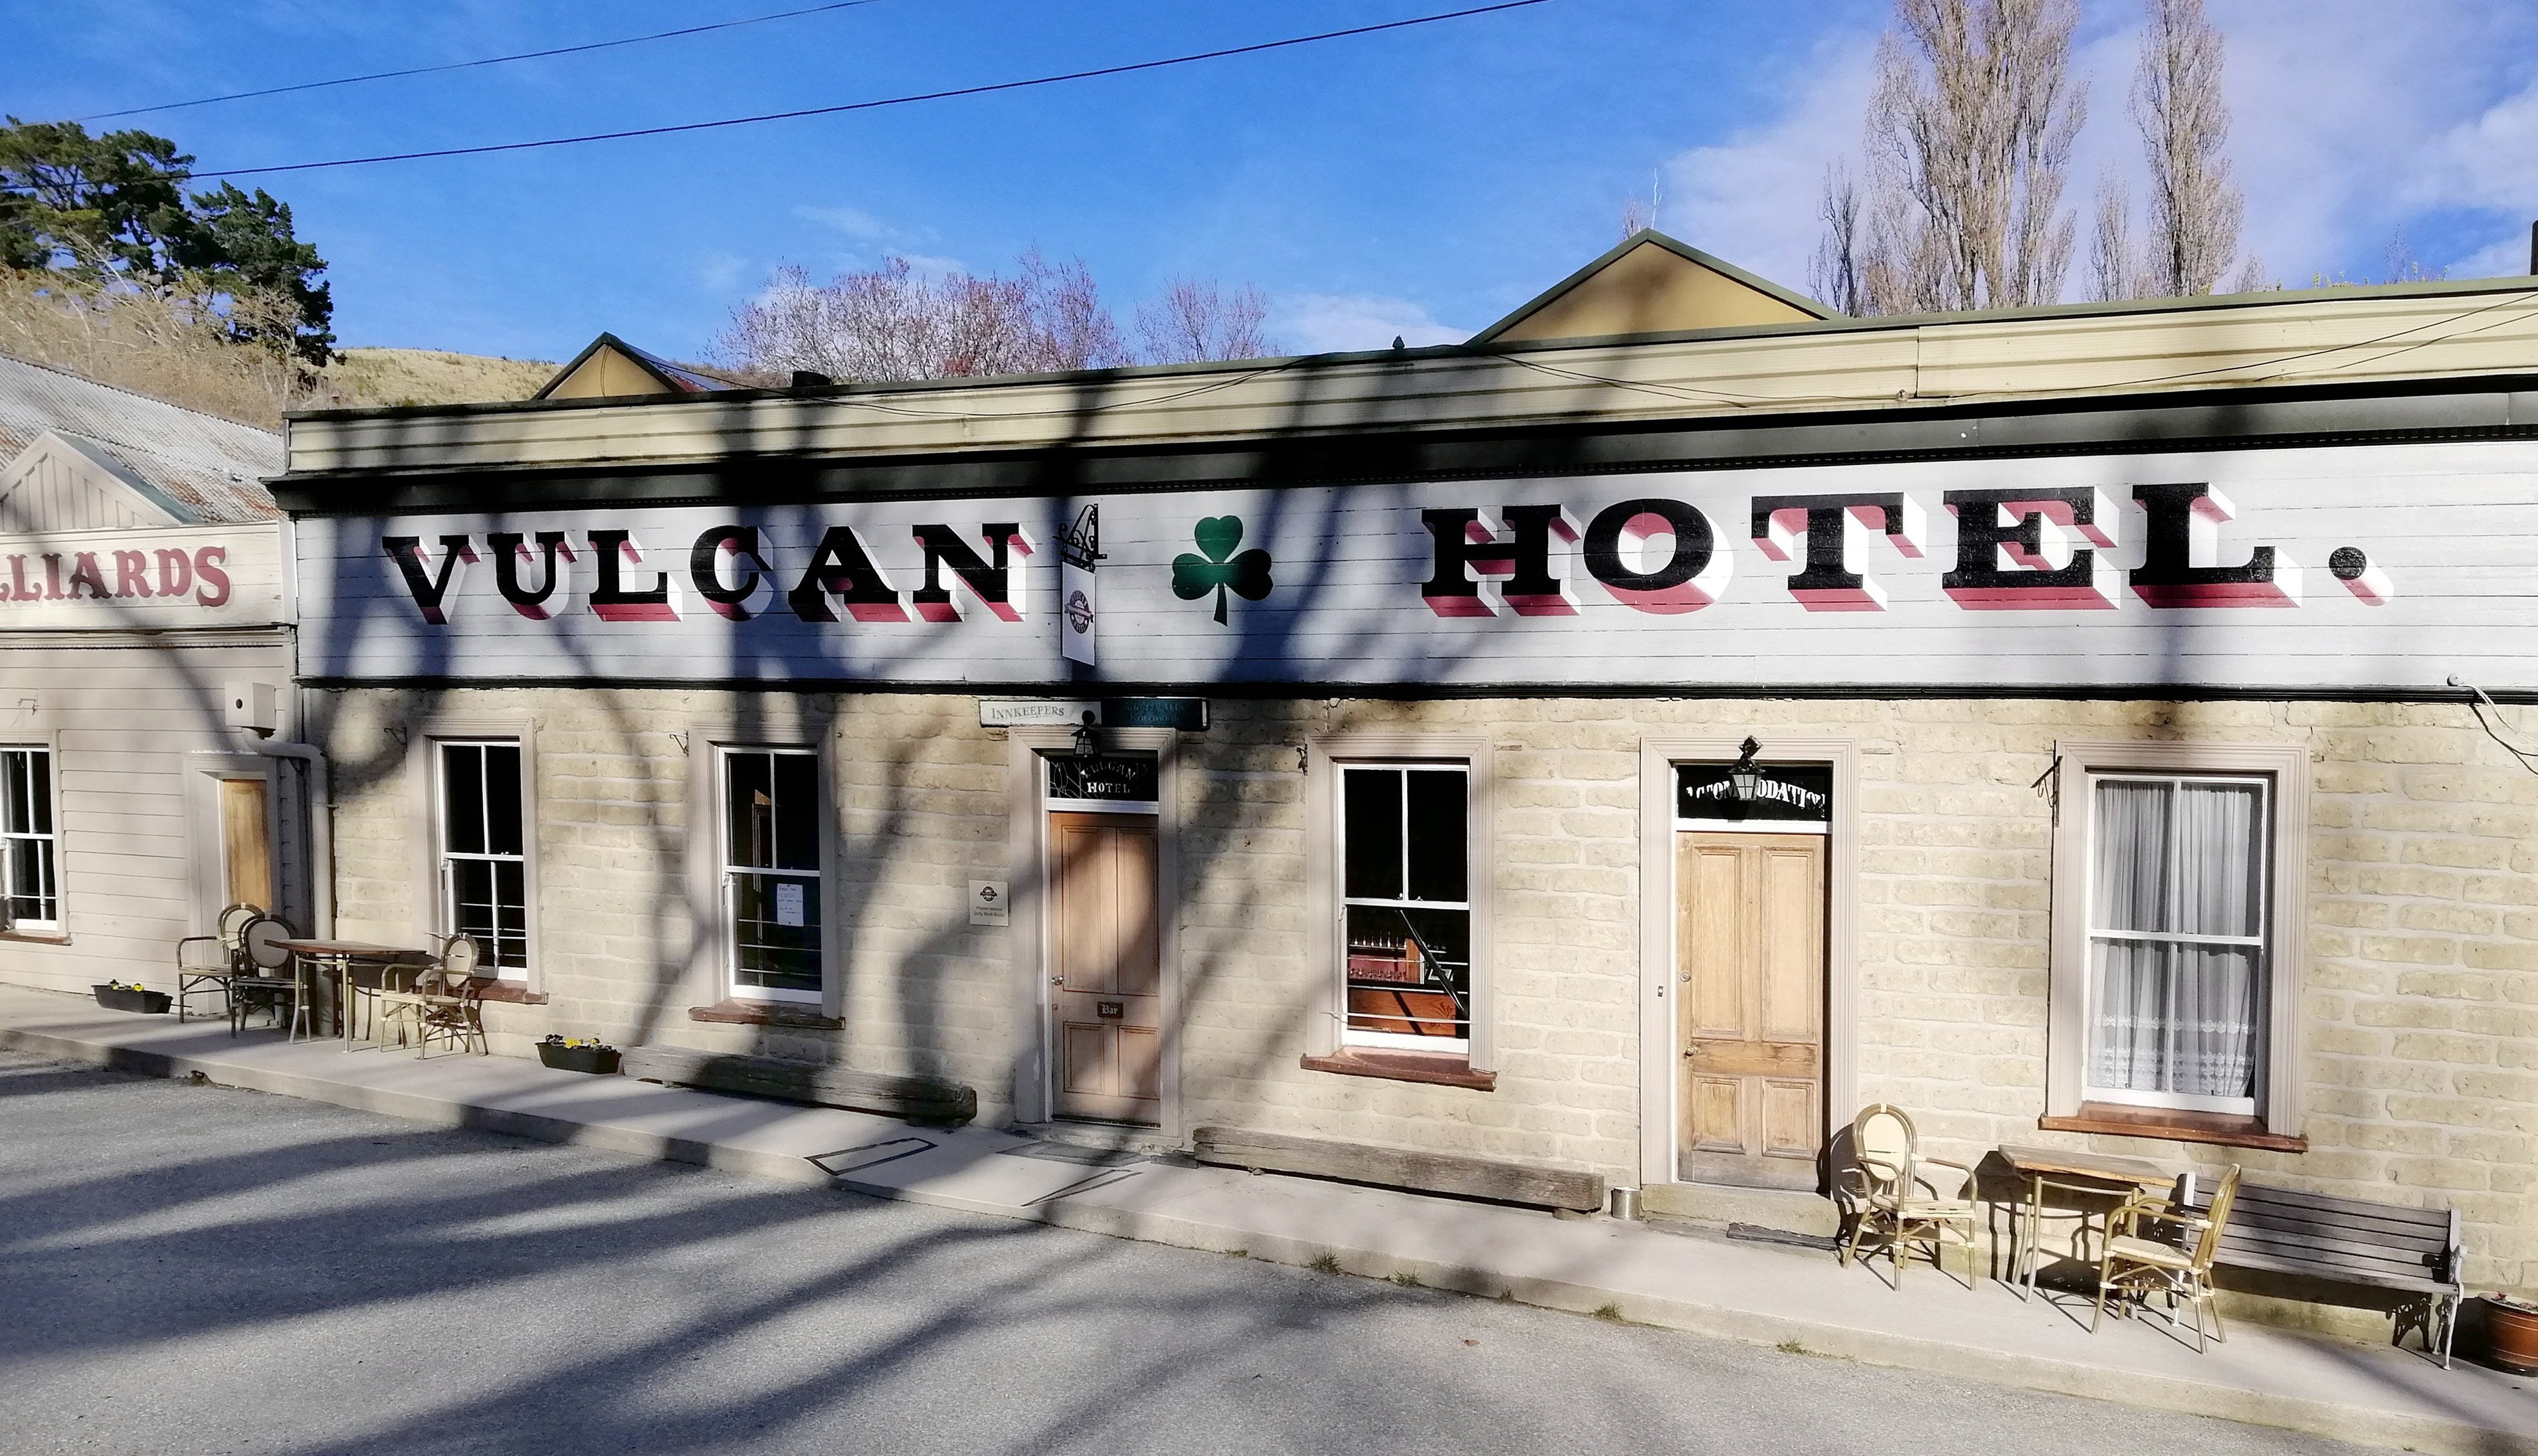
x: 2348, y: 1241
x: 1400, y: 1167
x: 915, y: 1099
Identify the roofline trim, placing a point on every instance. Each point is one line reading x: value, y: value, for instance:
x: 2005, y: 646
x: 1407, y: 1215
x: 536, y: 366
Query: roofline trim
x: 2485, y: 408
x: 1838, y: 323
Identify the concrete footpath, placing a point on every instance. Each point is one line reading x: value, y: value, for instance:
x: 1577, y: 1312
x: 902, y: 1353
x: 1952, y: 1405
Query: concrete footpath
x: 1789, y: 1297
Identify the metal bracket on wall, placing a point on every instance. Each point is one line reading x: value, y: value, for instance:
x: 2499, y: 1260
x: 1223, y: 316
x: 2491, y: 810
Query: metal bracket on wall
x: 2048, y: 785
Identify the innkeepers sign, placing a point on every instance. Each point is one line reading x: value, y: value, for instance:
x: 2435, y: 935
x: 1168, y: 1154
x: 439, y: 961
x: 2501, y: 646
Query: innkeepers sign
x: 2327, y: 569
x: 142, y: 580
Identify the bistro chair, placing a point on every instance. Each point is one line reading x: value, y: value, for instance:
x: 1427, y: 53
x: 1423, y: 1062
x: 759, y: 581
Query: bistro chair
x: 268, y: 978
x: 389, y: 1002
x: 2140, y: 1263
x: 207, y: 963
x: 1893, y: 1202
x: 443, y: 1004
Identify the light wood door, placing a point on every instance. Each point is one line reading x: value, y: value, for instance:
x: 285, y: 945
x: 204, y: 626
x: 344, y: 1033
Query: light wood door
x: 246, y: 846
x: 1108, y: 1024
x: 1750, y: 989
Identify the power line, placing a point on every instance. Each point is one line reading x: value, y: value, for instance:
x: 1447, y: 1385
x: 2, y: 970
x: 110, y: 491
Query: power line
x: 491, y: 60
x: 932, y: 96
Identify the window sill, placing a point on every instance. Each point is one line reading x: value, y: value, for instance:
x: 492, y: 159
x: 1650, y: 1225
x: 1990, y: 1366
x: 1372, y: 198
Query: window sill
x: 512, y: 992
x: 38, y: 937
x: 739, y: 1013
x: 1404, y: 1066
x: 2224, y: 1129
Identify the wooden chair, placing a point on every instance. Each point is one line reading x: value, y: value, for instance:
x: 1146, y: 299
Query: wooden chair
x: 444, y: 1003
x: 209, y: 962
x: 2136, y: 1266
x: 1892, y: 1199
x: 269, y: 979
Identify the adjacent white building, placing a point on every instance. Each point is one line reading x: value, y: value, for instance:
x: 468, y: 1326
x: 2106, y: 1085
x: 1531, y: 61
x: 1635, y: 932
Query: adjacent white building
x: 148, y: 773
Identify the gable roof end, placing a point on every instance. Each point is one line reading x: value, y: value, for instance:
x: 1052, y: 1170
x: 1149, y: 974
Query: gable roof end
x: 609, y: 368
x: 1652, y: 284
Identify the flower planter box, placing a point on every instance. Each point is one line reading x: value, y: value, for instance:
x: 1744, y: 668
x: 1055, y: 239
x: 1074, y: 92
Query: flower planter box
x: 147, y: 1003
x: 2512, y: 1335
x: 599, y: 1059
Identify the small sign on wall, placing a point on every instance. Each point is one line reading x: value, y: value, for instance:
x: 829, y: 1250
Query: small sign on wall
x: 987, y: 904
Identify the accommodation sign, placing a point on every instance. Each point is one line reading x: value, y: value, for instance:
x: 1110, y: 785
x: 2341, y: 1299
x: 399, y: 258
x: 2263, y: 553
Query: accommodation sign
x: 2366, y: 566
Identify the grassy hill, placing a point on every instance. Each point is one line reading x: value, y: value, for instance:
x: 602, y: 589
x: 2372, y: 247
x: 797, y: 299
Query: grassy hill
x: 366, y: 377
x: 175, y: 350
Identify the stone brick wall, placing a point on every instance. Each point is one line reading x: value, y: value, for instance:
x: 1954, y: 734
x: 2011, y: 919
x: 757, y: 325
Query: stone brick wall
x: 2421, y: 1080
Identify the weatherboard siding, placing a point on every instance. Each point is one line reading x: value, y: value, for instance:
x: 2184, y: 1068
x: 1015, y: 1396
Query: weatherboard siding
x: 125, y: 720
x: 2448, y: 531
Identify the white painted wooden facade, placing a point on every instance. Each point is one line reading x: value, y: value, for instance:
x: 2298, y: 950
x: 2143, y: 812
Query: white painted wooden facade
x: 144, y: 599
x: 2433, y: 542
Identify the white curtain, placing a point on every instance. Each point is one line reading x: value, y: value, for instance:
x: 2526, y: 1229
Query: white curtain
x: 2178, y: 859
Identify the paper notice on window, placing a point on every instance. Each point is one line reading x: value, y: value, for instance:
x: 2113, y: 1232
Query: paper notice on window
x: 789, y: 902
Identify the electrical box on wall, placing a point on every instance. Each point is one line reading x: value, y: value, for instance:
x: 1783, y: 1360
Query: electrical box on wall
x: 253, y: 705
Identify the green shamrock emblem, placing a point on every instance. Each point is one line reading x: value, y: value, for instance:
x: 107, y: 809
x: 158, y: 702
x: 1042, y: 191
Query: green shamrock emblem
x: 1245, y: 574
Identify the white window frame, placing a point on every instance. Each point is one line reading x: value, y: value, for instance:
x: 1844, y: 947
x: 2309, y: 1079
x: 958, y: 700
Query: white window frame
x: 2261, y: 941
x: 726, y: 873
x: 1402, y: 1040
x: 49, y: 839
x: 1325, y: 907
x: 2079, y: 764
x: 444, y: 858
x: 428, y: 909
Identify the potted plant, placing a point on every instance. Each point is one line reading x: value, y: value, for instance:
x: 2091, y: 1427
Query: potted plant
x: 578, y: 1054
x: 2511, y: 1334
x: 123, y: 996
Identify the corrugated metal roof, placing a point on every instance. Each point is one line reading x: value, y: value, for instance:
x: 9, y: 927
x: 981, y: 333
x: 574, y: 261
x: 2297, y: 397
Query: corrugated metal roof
x: 215, y: 468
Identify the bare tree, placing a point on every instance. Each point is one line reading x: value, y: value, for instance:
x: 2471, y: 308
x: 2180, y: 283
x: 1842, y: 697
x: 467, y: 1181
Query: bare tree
x: 2195, y: 208
x: 1194, y: 321
x: 893, y: 322
x: 2118, y: 266
x: 1637, y: 214
x: 1073, y: 329
x: 1969, y: 133
x: 1835, y: 273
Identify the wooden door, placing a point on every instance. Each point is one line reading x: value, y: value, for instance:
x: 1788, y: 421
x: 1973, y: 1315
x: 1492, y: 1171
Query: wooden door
x: 1750, y: 988
x: 1108, y: 1025
x: 246, y: 846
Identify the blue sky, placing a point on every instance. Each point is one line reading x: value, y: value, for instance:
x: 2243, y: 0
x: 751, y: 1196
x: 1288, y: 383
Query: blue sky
x: 1420, y: 183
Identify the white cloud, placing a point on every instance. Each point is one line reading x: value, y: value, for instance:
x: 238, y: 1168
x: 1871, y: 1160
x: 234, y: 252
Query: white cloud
x: 2350, y: 120
x: 854, y: 222
x: 1322, y: 323
x: 721, y: 271
x: 1752, y: 198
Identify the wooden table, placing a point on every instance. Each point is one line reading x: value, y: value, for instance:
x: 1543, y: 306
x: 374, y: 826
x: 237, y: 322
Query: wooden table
x: 343, y: 955
x: 2103, y: 1173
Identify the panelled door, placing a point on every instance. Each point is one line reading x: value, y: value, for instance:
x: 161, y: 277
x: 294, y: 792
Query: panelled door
x: 1108, y: 1023
x: 1750, y: 989
x: 246, y: 846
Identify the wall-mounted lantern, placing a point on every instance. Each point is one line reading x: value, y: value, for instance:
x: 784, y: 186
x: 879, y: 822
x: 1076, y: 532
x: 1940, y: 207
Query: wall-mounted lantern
x: 1742, y: 774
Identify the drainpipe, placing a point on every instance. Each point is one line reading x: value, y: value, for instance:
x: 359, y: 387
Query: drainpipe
x: 322, y: 831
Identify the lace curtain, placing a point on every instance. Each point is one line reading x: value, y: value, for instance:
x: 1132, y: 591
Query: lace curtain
x: 2178, y: 859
